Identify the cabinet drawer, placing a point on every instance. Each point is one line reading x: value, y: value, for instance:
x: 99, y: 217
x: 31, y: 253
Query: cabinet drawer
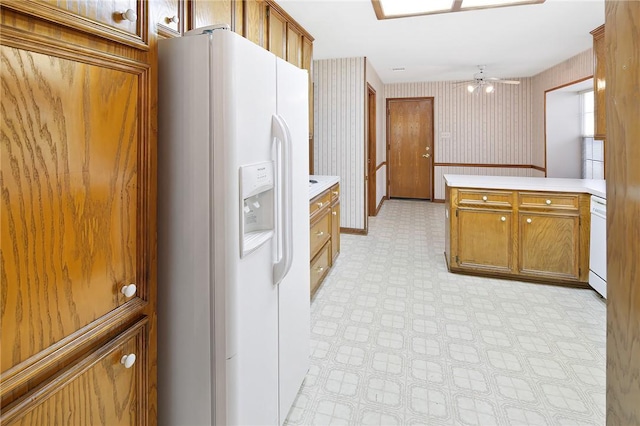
x: 541, y: 200
x: 320, y: 267
x: 321, y: 201
x: 335, y: 192
x: 99, y: 388
x: 479, y: 198
x: 320, y: 232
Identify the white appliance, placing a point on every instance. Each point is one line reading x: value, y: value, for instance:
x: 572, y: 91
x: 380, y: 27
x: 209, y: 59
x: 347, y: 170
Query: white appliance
x: 598, y: 246
x: 233, y: 231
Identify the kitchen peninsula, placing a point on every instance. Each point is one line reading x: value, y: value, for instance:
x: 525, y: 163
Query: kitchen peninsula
x: 533, y: 229
x: 324, y: 216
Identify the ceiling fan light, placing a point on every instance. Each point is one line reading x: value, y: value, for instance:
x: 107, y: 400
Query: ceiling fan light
x: 471, y: 88
x: 489, y: 88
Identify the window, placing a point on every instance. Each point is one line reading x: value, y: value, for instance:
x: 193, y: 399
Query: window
x: 387, y: 9
x: 592, y: 150
x: 588, y: 116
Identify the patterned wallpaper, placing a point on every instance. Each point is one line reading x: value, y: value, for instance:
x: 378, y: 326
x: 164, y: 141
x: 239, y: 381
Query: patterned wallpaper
x: 506, y: 127
x: 475, y: 128
x: 339, y: 126
x: 573, y: 69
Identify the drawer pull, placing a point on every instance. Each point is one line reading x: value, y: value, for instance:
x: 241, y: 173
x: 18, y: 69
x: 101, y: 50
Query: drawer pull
x: 504, y: 219
x: 320, y: 205
x: 334, y: 213
x: 173, y: 19
x: 319, y: 234
x: 129, y: 290
x: 528, y: 220
x: 128, y: 360
x: 335, y: 192
x: 548, y: 202
x: 484, y: 198
x: 129, y: 15
x: 319, y: 269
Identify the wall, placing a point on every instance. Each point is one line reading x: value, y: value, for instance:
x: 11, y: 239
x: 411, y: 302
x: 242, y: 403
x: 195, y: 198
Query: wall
x: 339, y: 116
x: 573, y: 69
x: 484, y: 128
x: 381, y: 152
x: 564, y: 141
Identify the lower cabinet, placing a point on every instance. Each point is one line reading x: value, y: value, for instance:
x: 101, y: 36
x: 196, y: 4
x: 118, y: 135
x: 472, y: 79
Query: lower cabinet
x: 550, y: 246
x: 537, y: 236
x: 484, y: 240
x: 108, y: 386
x: 324, y: 234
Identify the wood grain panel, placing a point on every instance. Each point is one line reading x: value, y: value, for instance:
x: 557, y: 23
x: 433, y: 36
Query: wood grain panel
x: 549, y: 245
x: 98, y: 17
x: 276, y: 33
x: 70, y: 197
x: 237, y: 7
x: 410, y: 127
x: 201, y: 13
x: 294, y: 45
x: 622, y: 40
x: 484, y: 240
x: 98, y: 390
x: 254, y: 21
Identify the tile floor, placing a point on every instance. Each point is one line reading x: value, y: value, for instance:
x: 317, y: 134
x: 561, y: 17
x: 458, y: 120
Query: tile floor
x: 398, y: 340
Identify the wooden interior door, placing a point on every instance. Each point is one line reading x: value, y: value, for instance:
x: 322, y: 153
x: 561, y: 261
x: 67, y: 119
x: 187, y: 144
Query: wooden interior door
x: 371, y: 141
x: 410, y: 144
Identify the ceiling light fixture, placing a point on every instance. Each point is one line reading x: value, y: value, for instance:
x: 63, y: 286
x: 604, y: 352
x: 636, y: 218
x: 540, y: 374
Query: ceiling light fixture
x: 489, y: 88
x: 471, y: 88
x: 388, y: 9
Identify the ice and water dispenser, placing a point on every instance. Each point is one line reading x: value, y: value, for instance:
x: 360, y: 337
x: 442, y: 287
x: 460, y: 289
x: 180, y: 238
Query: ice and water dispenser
x: 257, y: 198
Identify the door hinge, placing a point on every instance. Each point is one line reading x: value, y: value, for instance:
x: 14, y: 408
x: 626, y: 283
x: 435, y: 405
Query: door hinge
x: 456, y: 212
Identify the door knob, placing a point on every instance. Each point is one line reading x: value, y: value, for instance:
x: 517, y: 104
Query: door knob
x: 427, y: 148
x: 426, y: 155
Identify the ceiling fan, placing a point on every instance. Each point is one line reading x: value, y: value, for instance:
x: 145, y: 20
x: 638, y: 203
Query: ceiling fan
x: 482, y: 82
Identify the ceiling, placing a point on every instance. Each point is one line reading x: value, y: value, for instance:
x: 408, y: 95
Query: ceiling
x: 512, y: 42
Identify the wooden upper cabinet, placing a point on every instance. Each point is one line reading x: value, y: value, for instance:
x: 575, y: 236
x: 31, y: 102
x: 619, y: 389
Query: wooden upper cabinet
x: 294, y: 45
x: 255, y: 15
x: 201, y: 13
x: 168, y: 16
x: 276, y: 32
x: 599, y: 83
x: 103, y: 18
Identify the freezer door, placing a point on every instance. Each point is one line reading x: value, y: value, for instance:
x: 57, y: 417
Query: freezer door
x: 246, y: 301
x: 294, y: 311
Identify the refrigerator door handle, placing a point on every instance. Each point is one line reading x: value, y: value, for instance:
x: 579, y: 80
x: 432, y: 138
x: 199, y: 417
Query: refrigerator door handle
x: 284, y: 236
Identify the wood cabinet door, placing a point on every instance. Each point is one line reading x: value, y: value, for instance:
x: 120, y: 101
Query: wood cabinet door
x: 335, y: 231
x: 168, y: 17
x: 277, y: 33
x: 549, y: 245
x: 201, y: 13
x: 74, y: 188
x: 294, y: 45
x: 255, y: 22
x: 99, y: 389
x: 599, y: 83
x: 484, y: 240
x: 307, y: 62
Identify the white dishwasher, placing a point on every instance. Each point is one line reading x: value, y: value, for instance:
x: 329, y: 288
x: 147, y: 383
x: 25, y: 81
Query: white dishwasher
x: 598, y: 246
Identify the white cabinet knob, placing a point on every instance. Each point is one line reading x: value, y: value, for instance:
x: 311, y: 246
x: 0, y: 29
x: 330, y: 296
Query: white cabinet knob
x: 548, y: 202
x: 335, y: 192
x: 129, y: 290
x: 174, y: 19
x: 128, y: 360
x: 528, y: 220
x: 320, y: 269
x: 320, y: 204
x: 334, y: 213
x: 503, y: 219
x: 320, y: 234
x: 484, y: 198
x: 130, y: 15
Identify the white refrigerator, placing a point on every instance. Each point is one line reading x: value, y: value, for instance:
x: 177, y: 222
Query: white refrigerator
x: 233, y: 231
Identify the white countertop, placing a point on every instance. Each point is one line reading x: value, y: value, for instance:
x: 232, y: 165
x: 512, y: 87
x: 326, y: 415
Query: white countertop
x: 590, y: 186
x: 324, y: 183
